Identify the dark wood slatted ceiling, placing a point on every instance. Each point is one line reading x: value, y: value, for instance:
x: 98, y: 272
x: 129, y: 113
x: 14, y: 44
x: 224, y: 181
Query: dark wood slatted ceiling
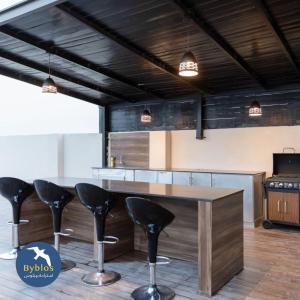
x: 140, y: 60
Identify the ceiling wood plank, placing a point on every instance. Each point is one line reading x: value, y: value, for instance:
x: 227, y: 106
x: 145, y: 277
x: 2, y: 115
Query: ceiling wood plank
x: 270, y: 21
x: 34, y: 81
x: 219, y: 40
x: 101, y: 28
x: 49, y: 47
x: 37, y: 66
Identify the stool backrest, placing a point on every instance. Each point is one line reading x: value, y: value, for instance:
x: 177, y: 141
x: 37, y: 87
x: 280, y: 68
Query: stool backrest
x: 151, y: 216
x: 55, y: 197
x: 94, y: 198
x: 51, y: 194
x: 98, y: 201
x: 16, y: 191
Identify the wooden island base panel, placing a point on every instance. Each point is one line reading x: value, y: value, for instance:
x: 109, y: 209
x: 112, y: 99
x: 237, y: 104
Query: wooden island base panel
x: 207, y: 229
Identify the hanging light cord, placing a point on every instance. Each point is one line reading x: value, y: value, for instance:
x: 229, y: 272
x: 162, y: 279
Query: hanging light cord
x: 49, y: 65
x: 187, y: 36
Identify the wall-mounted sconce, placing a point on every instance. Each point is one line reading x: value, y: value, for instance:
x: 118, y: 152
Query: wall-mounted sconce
x: 146, y: 116
x: 255, y: 109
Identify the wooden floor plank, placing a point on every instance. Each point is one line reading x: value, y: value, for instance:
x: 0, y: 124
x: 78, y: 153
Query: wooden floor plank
x: 272, y: 271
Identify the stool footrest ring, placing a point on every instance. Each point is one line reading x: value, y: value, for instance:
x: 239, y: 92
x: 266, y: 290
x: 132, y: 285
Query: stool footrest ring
x: 24, y: 222
x: 108, y: 239
x: 163, y: 260
x: 65, y: 233
x: 21, y: 222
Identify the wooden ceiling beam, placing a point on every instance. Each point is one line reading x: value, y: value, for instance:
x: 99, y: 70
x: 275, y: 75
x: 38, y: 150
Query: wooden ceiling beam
x: 34, y: 81
x: 270, y: 21
x: 219, y: 41
x: 39, y: 67
x: 101, y: 28
x: 49, y: 47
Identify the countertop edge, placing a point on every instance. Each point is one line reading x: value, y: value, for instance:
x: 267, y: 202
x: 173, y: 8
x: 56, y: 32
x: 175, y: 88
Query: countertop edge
x: 249, y: 173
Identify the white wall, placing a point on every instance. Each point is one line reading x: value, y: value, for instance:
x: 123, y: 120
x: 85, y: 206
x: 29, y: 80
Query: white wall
x: 25, y: 110
x: 39, y: 156
x: 29, y: 157
x: 234, y: 148
x: 81, y: 152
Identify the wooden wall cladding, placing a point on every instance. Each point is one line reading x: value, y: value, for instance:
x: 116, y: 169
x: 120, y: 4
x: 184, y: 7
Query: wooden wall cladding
x: 133, y: 147
x: 279, y: 109
x: 40, y: 221
x: 180, y: 238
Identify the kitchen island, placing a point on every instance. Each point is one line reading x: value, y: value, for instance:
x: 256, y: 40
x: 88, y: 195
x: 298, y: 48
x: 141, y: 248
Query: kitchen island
x: 249, y: 181
x: 208, y: 225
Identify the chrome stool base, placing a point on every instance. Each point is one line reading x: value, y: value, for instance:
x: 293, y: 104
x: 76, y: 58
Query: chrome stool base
x: 155, y: 292
x: 100, y: 279
x: 9, y: 255
x: 67, y: 265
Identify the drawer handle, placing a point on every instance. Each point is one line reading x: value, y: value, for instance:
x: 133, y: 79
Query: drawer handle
x: 285, y: 206
x: 278, y: 205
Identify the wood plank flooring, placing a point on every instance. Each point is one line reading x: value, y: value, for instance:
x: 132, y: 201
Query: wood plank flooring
x: 272, y: 271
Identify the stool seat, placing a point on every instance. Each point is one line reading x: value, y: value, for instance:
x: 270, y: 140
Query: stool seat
x: 16, y: 191
x: 100, y: 203
x: 56, y: 198
x: 153, y: 218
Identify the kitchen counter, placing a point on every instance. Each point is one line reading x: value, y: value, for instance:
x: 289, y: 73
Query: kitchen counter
x: 174, y: 191
x: 240, y: 172
x: 208, y: 223
x: 249, y: 181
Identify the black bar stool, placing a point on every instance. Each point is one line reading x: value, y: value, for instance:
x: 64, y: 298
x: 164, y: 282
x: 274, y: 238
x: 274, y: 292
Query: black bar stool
x: 16, y: 191
x: 56, y: 198
x: 153, y: 218
x: 98, y: 201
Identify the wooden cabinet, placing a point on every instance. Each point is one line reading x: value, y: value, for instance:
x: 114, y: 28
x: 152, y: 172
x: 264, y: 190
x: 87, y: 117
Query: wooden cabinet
x: 291, y: 207
x: 283, y: 207
x: 275, y: 206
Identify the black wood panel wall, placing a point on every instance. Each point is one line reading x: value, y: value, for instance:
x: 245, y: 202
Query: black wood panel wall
x: 279, y: 109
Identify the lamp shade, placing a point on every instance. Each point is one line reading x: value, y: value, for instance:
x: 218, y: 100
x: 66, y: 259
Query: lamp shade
x: 49, y: 86
x: 255, y: 109
x: 188, y: 66
x: 146, y: 116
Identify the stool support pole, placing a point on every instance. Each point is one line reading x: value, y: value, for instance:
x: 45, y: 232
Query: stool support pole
x: 56, y: 241
x: 152, y: 267
x: 100, y: 257
x: 15, y: 236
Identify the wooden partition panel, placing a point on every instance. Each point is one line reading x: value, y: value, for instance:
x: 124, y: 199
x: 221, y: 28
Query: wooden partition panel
x: 133, y: 147
x: 221, y: 250
x: 180, y: 238
x: 40, y: 221
x: 118, y: 224
x: 80, y: 219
